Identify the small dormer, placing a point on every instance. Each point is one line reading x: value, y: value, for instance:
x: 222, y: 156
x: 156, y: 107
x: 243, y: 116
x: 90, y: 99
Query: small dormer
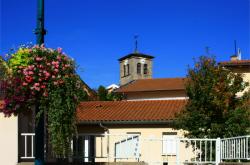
x: 135, y: 66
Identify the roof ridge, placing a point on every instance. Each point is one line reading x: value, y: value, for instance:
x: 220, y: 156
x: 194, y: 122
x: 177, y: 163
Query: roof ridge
x: 129, y: 101
x: 163, y: 78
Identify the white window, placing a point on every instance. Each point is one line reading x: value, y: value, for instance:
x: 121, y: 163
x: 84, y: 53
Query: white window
x: 128, y: 146
x: 169, y: 143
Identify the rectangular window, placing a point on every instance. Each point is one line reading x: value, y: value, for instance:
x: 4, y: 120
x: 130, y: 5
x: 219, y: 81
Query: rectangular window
x: 169, y: 143
x: 145, y: 69
x: 124, y: 70
x: 128, y: 69
x: 128, y: 146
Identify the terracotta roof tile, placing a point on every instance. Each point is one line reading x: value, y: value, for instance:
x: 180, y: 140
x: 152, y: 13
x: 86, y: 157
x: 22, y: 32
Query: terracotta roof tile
x: 150, y: 110
x: 236, y: 62
x: 160, y: 84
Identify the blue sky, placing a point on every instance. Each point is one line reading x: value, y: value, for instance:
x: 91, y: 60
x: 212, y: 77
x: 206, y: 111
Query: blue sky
x: 98, y: 32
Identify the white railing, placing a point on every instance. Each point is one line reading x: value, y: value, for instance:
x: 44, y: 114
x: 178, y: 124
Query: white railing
x: 134, y: 148
x: 28, y: 151
x: 235, y: 148
x: 182, y: 151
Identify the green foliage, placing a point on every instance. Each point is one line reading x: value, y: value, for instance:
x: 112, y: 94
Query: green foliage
x: 22, y: 57
x: 213, y: 109
x: 61, y: 113
x: 47, y: 79
x: 104, y: 95
x: 3, y: 69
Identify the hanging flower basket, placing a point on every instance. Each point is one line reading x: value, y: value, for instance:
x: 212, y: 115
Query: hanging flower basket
x: 46, y: 77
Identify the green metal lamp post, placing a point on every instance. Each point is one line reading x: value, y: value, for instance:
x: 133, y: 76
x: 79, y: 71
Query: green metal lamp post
x: 39, y: 128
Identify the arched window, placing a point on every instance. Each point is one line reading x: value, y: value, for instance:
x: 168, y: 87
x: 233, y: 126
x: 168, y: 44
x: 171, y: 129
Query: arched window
x: 145, y: 69
x: 124, y: 70
x: 138, y: 68
x: 128, y: 69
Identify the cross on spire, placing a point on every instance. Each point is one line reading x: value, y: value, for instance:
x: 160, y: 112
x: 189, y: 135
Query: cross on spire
x: 207, y: 49
x: 136, y: 43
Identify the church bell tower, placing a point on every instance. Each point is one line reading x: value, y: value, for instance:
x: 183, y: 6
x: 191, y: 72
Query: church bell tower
x: 135, y: 66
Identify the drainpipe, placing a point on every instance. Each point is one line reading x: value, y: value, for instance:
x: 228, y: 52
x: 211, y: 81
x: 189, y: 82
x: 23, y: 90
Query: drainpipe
x: 106, y: 129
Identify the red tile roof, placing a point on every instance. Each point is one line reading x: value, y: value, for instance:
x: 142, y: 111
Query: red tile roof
x: 110, y: 111
x: 161, y: 84
x: 235, y: 63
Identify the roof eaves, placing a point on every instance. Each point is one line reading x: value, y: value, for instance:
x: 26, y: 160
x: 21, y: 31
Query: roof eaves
x: 136, y: 55
x: 130, y: 91
x: 235, y: 64
x: 170, y: 121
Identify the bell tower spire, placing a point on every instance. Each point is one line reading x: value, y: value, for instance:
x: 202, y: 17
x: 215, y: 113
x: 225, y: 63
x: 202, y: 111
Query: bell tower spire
x: 136, y: 43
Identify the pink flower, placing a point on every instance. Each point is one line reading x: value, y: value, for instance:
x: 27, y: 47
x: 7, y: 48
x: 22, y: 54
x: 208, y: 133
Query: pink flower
x: 59, y: 58
x: 59, y: 50
x: 55, y: 83
x: 43, y: 86
x: 56, y: 70
x: 31, y: 67
x: 39, y: 59
x: 40, y: 66
x: 37, y: 84
x: 25, y: 84
x: 47, y: 74
x: 53, y: 76
x: 31, y: 73
x: 28, y: 79
x: 25, y: 72
x: 37, y: 88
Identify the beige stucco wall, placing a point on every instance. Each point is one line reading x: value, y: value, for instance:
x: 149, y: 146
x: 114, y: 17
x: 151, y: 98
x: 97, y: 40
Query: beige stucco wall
x: 245, y: 71
x: 8, y: 140
x: 150, y: 144
x: 133, y: 69
x: 174, y: 94
x: 246, y: 78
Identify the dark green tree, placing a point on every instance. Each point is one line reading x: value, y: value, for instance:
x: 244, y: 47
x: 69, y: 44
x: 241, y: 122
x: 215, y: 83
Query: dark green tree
x: 213, y: 108
x: 3, y: 76
x: 104, y: 95
x: 3, y: 69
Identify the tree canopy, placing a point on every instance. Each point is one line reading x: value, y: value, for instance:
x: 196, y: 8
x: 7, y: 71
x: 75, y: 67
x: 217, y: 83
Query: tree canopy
x: 213, y: 108
x: 3, y: 69
x: 104, y: 95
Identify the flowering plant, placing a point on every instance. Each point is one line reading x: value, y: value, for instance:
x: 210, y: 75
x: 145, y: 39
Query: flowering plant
x: 46, y: 77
